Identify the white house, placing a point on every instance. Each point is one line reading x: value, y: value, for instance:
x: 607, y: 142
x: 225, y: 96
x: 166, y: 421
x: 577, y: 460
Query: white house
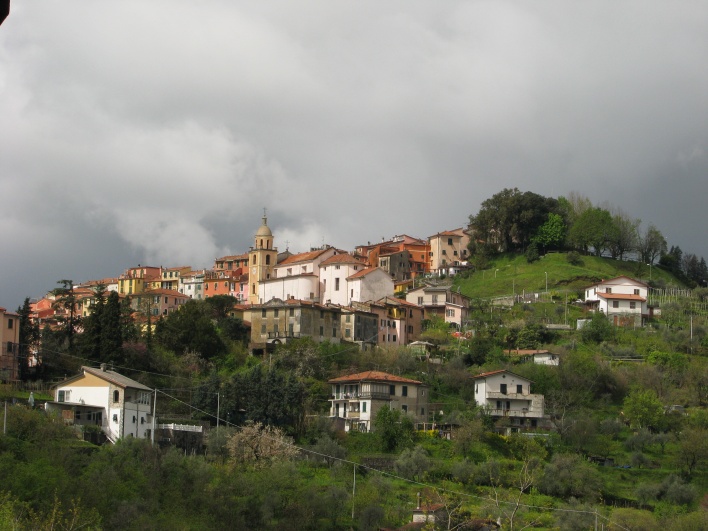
x: 539, y: 357
x: 334, y: 273
x: 296, y: 277
x: 357, y: 398
x: 121, y: 406
x: 622, y: 299
x: 505, y: 394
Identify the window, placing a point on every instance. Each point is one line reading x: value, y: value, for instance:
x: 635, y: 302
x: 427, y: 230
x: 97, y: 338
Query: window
x: 615, y: 304
x: 334, y: 331
x: 632, y: 305
x: 404, y: 390
x: 10, y: 323
x: 291, y: 329
x: 292, y: 312
x: 263, y: 312
x: 420, y: 301
x: 347, y: 333
x: 275, y: 329
x: 336, y: 284
x: 363, y: 407
x: 608, y: 290
x: 63, y: 396
x: 275, y: 313
x: 502, y: 388
x: 116, y: 396
x: 392, y: 390
x: 422, y: 412
x: 267, y: 259
x: 321, y: 314
x: 394, y: 338
x: 519, y: 389
x: 449, y: 241
x: 321, y: 331
x: 404, y: 408
x: 636, y: 291
x: 263, y: 328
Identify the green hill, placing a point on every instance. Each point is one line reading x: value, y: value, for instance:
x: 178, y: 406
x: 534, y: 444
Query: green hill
x: 512, y: 274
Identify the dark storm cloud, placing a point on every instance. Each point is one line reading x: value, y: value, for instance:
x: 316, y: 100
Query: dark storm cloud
x: 156, y: 132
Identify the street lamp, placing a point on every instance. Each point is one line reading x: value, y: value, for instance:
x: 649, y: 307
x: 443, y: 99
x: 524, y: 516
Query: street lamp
x: 495, y: 273
x: 649, y: 264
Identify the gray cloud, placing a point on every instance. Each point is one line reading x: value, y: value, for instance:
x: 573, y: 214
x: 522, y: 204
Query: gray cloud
x: 156, y: 132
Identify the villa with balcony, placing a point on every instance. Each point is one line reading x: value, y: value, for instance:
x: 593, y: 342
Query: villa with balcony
x: 504, y: 394
x: 357, y: 398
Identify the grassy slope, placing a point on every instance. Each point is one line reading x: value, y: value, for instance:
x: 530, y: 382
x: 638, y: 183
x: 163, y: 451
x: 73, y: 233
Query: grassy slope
x: 510, y: 274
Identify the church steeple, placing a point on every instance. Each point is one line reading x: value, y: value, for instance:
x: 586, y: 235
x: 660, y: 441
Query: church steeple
x: 262, y: 259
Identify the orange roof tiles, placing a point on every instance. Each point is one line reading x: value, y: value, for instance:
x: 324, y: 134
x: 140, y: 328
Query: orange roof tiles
x: 303, y: 257
x: 378, y: 376
x: 621, y: 296
x: 343, y: 258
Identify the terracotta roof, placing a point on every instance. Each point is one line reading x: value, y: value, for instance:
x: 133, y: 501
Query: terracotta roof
x: 378, y: 376
x: 160, y: 291
x: 232, y: 257
x: 492, y: 373
x: 363, y: 272
x: 621, y: 296
x: 304, y: 257
x: 343, y: 258
x: 611, y: 280
x: 526, y: 351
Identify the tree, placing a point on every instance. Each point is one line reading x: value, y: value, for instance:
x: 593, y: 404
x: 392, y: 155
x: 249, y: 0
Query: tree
x: 413, y: 463
x: 570, y: 476
x: 90, y: 338
x: 509, y: 219
x: 392, y: 428
x: 258, y: 446
x: 693, y: 450
x: 594, y: 229
x: 28, y: 338
x: 598, y: 329
x: 624, y: 236
x: 651, y: 244
x: 65, y: 305
x: 111, y: 329
x: 190, y: 329
x: 551, y: 235
x: 643, y: 408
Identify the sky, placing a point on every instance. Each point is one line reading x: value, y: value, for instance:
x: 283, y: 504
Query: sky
x: 155, y: 132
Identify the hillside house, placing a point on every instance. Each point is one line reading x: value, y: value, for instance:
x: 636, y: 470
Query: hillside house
x: 357, y: 398
x: 623, y: 300
x: 10, y: 345
x: 504, y: 394
x: 120, y: 406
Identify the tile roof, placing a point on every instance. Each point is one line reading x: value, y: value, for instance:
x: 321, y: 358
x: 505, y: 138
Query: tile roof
x: 500, y: 371
x: 109, y: 376
x: 621, y: 296
x: 304, y: 257
x: 343, y: 258
x: 378, y: 376
x: 362, y: 273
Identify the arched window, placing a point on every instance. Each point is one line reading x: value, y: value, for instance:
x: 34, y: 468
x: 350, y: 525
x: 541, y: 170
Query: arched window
x: 267, y: 259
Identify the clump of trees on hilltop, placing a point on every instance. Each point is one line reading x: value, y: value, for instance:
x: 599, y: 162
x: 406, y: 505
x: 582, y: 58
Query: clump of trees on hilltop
x: 512, y: 221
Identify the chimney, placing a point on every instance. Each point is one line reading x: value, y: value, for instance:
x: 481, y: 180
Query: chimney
x: 103, y: 367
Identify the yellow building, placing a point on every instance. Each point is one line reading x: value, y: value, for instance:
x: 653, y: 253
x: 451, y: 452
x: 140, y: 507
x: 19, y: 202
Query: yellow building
x: 262, y: 258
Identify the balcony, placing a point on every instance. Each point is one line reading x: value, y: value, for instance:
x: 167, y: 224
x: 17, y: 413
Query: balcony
x: 283, y: 335
x: 521, y: 412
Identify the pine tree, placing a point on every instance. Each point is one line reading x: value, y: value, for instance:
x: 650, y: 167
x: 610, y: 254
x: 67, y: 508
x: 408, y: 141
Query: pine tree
x: 111, y: 330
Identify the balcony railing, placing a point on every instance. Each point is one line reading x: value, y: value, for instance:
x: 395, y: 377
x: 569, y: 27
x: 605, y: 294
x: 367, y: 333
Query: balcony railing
x: 283, y: 335
x: 357, y: 396
x: 523, y: 412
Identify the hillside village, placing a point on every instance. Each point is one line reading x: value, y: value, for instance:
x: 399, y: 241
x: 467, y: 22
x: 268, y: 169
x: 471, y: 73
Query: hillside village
x: 584, y: 395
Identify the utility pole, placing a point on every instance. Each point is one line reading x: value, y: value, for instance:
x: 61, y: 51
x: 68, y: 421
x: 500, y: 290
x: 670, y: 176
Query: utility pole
x: 154, y: 418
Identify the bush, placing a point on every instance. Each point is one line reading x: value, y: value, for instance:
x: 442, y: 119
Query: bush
x: 573, y: 258
x: 532, y: 253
